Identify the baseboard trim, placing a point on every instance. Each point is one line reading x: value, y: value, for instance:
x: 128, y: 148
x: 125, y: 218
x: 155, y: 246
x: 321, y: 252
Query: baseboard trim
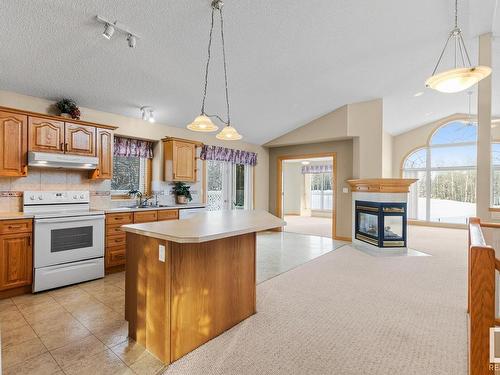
x: 422, y: 223
x: 15, y: 292
x: 342, y: 238
x: 114, y: 269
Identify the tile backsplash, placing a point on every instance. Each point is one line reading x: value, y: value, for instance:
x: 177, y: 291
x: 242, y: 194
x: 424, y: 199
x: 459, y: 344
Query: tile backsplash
x: 68, y: 180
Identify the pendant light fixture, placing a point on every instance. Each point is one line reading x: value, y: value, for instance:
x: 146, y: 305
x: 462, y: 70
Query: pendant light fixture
x: 203, y: 123
x: 459, y: 78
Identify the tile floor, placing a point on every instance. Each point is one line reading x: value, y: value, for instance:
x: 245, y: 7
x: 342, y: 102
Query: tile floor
x: 81, y: 329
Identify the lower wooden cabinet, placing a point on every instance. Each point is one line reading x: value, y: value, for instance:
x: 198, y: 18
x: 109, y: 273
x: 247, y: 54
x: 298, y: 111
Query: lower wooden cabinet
x: 115, y: 256
x: 116, y: 240
x: 16, y: 260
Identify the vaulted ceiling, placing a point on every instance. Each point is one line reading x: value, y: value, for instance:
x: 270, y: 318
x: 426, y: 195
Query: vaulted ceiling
x: 289, y: 61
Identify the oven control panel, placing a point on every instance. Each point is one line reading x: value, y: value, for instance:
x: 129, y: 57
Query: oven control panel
x: 55, y: 197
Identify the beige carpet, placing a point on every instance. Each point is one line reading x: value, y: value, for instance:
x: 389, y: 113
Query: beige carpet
x: 347, y: 312
x: 316, y: 226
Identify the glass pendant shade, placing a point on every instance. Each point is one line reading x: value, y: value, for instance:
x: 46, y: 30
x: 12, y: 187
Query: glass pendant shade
x: 228, y: 133
x: 202, y: 123
x: 456, y: 80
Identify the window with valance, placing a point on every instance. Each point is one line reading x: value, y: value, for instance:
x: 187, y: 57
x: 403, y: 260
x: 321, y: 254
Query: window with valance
x: 131, y: 165
x: 229, y: 177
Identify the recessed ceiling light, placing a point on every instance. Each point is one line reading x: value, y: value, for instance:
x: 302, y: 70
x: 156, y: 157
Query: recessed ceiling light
x: 305, y: 162
x: 420, y: 93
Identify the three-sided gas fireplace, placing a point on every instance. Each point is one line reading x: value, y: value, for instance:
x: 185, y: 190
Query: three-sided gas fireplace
x: 381, y: 224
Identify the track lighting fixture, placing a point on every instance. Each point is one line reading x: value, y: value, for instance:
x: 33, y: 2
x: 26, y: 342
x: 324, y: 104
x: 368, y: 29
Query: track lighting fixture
x: 109, y: 30
x: 111, y: 27
x: 148, y: 114
x: 132, y: 40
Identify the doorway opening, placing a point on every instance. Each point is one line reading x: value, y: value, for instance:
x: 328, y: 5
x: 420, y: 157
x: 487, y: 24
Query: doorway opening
x: 306, y: 193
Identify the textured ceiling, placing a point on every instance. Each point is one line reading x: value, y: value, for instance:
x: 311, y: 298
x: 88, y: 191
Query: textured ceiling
x: 289, y: 61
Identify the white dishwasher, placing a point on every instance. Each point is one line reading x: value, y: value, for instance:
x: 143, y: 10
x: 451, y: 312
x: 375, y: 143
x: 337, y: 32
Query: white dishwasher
x: 185, y: 213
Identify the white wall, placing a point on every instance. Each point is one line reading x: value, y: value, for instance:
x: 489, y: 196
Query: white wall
x: 134, y: 127
x: 293, y: 188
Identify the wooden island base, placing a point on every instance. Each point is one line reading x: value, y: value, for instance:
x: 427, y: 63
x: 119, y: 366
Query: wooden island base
x: 198, y: 292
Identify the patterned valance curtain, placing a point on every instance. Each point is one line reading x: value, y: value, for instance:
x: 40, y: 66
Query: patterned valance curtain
x: 133, y: 147
x: 316, y: 169
x: 228, y: 154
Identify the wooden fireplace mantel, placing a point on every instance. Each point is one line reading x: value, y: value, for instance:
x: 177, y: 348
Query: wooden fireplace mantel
x: 382, y: 185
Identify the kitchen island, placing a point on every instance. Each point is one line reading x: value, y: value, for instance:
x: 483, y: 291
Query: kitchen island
x: 187, y: 281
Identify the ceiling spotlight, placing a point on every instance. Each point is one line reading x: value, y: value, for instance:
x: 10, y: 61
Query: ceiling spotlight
x: 109, y: 30
x: 148, y: 114
x: 132, y: 40
x: 420, y: 93
x: 111, y: 27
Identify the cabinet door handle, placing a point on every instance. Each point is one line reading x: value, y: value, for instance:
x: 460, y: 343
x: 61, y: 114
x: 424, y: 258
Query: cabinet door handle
x: 65, y: 147
x: 62, y: 146
x: 15, y: 226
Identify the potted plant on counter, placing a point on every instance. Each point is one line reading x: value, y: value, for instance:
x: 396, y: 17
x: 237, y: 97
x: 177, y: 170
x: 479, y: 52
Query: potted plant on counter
x: 68, y: 109
x: 182, y: 193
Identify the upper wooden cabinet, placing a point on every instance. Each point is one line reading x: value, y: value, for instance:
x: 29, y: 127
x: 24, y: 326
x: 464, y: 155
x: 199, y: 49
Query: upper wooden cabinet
x: 80, y: 139
x: 46, y: 135
x: 105, y: 154
x: 180, y: 160
x: 14, y: 144
x: 23, y: 131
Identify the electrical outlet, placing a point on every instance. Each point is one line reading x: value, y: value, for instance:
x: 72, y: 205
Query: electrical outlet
x: 345, y: 190
x: 161, y: 253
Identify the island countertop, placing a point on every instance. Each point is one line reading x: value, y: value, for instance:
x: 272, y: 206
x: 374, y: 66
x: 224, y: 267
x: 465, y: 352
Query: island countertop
x: 208, y: 226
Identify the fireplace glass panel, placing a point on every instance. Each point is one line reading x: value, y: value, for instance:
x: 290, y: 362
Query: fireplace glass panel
x: 368, y: 224
x: 393, y: 227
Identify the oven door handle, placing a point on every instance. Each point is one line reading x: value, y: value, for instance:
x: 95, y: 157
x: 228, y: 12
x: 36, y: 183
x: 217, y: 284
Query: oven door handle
x: 69, y: 219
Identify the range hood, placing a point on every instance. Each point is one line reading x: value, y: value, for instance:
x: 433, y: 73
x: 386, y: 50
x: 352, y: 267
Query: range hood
x: 50, y: 160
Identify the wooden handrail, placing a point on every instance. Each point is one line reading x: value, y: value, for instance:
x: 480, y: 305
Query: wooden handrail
x: 481, y: 298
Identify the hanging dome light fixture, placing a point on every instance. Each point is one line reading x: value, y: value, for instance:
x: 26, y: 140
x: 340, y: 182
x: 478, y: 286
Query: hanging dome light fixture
x: 203, y: 123
x: 459, y: 78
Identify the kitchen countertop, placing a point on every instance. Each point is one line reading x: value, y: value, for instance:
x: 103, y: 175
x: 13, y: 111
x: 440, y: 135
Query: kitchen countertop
x: 10, y: 215
x: 133, y: 209
x: 208, y: 226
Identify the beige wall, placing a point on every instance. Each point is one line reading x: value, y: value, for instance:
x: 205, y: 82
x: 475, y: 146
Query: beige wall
x: 365, y: 122
x: 344, y: 172
x: 331, y: 126
x: 387, y: 155
x: 362, y: 122
x: 293, y: 182
x: 135, y: 127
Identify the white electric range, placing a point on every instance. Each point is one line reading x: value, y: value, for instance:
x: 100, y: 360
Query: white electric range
x: 68, y: 238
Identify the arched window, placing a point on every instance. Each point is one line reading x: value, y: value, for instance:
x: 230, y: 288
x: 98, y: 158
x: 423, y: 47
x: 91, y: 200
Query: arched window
x: 446, y: 172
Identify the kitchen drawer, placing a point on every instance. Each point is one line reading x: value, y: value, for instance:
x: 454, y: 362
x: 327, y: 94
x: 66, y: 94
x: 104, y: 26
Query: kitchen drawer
x: 168, y: 215
x: 121, y: 218
x: 116, y: 240
x: 145, y: 216
x: 115, y: 256
x: 114, y: 230
x: 15, y: 226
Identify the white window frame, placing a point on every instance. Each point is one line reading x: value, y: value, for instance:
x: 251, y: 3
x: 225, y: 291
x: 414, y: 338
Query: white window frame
x: 322, y: 193
x: 143, y: 165
x: 429, y: 169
